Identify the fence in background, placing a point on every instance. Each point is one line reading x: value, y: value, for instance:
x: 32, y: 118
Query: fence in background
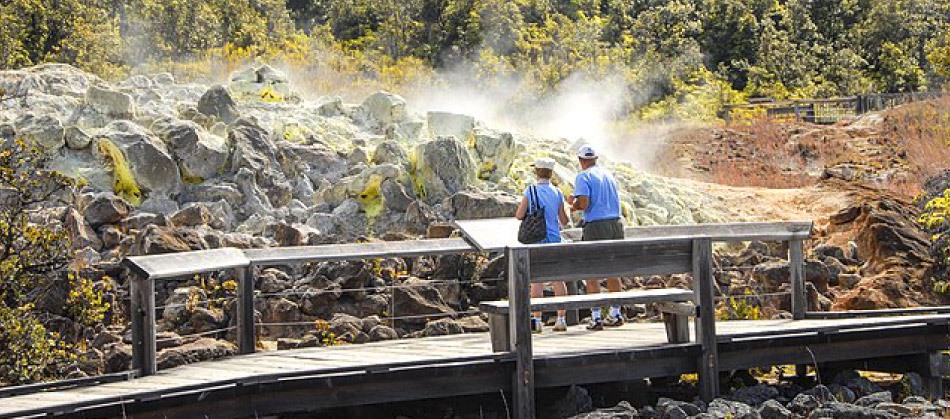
x: 827, y: 111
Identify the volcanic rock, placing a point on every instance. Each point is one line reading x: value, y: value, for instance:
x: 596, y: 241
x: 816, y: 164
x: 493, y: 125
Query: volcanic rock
x: 441, y: 168
x: 111, y: 103
x: 217, y: 102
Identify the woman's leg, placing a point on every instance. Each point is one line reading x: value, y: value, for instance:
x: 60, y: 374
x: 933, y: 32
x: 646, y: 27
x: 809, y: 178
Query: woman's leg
x: 560, y: 289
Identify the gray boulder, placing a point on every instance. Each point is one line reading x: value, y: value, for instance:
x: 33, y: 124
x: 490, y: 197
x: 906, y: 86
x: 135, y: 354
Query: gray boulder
x: 446, y: 124
x: 772, y: 409
x: 722, y: 408
x: 106, y: 208
x: 383, y: 109
x: 848, y: 411
x: 496, y: 154
x: 874, y: 399
x: 442, y: 327
x: 200, y: 155
x: 111, y: 103
x: 441, y: 168
x: 622, y: 410
x: 217, y: 102
x: 44, y: 131
x: 76, y: 138
x: 390, y: 152
x: 469, y: 205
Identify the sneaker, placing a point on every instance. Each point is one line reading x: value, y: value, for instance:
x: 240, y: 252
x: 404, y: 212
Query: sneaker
x: 597, y: 324
x: 560, y: 325
x: 613, y: 321
x: 536, y: 326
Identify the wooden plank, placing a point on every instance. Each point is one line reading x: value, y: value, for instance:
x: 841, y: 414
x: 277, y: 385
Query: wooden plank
x: 764, y: 231
x: 497, y: 233
x: 493, y: 234
x: 246, y: 338
x: 355, y: 251
x: 144, y: 352
x: 499, y: 332
x: 706, y: 321
x: 519, y: 272
x: 596, y: 300
x: 608, y: 259
x: 186, y: 263
x: 796, y: 263
x: 873, y: 313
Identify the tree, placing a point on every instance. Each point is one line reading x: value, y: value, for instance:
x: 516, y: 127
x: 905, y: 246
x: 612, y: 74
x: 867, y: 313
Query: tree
x: 33, y: 255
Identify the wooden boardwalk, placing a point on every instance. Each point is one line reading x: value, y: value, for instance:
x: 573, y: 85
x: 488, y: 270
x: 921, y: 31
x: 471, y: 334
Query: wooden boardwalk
x: 317, y: 378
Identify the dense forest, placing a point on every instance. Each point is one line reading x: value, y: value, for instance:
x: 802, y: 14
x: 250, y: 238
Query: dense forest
x: 676, y: 57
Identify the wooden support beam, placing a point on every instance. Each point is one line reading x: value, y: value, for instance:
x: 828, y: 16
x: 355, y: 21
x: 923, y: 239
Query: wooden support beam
x: 796, y: 267
x: 572, y: 317
x: 245, y: 311
x: 144, y: 353
x: 706, y: 321
x: 519, y: 295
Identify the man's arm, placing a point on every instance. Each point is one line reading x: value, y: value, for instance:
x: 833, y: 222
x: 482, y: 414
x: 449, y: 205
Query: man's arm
x: 580, y: 203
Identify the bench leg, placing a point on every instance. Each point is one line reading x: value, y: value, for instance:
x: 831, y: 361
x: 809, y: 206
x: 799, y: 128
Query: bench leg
x: 677, y: 327
x: 498, y: 329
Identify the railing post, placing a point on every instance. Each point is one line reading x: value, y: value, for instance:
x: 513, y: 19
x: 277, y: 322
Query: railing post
x: 144, y: 353
x: 708, y: 367
x: 519, y: 300
x: 796, y: 265
x: 245, y: 310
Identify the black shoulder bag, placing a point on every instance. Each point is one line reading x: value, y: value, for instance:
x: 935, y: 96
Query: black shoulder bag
x: 533, y: 227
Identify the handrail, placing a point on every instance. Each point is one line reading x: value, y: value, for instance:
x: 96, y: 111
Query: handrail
x: 675, y: 248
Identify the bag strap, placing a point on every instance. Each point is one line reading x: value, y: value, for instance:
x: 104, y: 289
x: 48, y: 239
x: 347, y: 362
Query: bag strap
x: 537, y: 202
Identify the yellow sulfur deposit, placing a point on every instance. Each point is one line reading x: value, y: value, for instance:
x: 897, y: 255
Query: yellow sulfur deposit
x: 124, y: 184
x: 370, y: 198
x: 417, y: 175
x: 269, y: 95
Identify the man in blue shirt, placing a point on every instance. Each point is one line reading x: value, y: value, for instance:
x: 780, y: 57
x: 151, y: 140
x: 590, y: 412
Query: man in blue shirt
x: 595, y: 193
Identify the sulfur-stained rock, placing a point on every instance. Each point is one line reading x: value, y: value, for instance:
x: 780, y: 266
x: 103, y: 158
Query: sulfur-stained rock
x: 440, y: 168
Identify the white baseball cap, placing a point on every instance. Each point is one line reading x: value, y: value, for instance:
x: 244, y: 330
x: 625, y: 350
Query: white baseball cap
x: 543, y: 163
x: 587, y: 152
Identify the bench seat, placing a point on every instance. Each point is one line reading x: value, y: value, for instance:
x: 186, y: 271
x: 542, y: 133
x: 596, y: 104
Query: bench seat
x: 671, y: 301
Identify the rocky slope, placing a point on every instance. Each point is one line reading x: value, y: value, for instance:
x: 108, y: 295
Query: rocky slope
x: 169, y: 167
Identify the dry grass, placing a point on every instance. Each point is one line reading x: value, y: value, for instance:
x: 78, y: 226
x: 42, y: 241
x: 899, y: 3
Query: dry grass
x: 757, y: 154
x: 923, y: 131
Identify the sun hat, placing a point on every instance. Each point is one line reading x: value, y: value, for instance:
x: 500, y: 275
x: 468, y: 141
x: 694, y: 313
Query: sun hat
x: 586, y: 152
x: 543, y: 163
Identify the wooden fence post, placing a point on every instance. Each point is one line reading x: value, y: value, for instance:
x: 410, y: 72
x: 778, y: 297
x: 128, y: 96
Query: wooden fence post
x: 706, y: 320
x: 519, y: 300
x: 796, y: 265
x: 245, y: 310
x: 144, y: 353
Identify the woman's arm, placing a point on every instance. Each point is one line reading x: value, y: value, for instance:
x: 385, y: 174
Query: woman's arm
x: 562, y: 214
x: 522, y: 208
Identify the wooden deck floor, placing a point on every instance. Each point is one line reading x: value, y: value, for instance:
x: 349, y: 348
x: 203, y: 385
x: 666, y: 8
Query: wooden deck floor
x: 554, y: 353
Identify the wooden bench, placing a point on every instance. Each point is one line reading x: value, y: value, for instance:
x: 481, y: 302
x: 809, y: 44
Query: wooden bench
x: 672, y: 303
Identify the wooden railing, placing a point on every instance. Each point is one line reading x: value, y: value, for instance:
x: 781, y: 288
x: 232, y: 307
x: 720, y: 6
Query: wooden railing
x: 829, y: 111
x: 644, y: 251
